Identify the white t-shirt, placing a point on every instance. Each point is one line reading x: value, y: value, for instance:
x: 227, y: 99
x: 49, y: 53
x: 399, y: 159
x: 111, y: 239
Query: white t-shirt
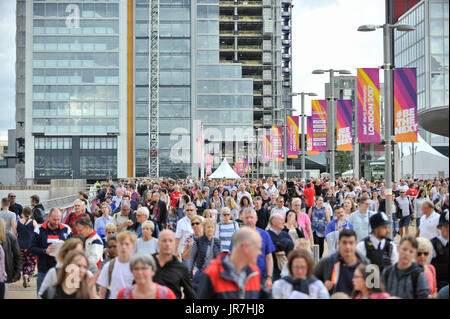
x: 282, y: 211
x: 146, y: 246
x: 121, y: 277
x: 403, y: 188
x: 403, y: 203
x: 428, y: 226
x: 184, y: 230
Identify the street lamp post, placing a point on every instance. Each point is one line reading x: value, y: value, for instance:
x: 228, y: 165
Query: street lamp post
x: 387, y: 67
x: 331, y: 120
x: 302, y: 116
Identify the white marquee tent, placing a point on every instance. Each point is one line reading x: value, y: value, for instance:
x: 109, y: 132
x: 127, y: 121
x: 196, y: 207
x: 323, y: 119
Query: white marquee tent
x: 224, y: 171
x: 428, y: 163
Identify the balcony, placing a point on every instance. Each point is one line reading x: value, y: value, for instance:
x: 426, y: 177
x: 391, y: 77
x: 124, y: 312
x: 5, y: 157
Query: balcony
x: 254, y: 77
x: 286, y: 1
x: 286, y: 56
x: 251, y: 33
x: 250, y: 4
x: 226, y: 3
x: 257, y: 93
x: 226, y: 61
x: 226, y: 33
x: 225, y: 18
x: 286, y: 28
x: 224, y: 47
x: 251, y: 63
x: 252, y: 48
x: 257, y: 123
x: 286, y: 84
x: 286, y: 42
x: 286, y: 70
x: 243, y: 18
x: 286, y: 14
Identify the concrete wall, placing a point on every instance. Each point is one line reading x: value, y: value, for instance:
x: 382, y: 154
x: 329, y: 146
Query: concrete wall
x: 8, y: 176
x: 23, y: 195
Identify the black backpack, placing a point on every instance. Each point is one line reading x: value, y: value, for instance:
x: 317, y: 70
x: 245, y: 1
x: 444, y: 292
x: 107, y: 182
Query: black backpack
x: 415, y: 276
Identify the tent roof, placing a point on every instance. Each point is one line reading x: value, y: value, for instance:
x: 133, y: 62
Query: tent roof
x: 224, y: 171
x: 422, y: 146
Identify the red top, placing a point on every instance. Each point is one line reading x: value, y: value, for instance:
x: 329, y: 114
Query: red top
x: 309, y: 194
x: 170, y: 294
x: 174, y: 199
x: 73, y: 218
x: 430, y: 273
x: 412, y: 193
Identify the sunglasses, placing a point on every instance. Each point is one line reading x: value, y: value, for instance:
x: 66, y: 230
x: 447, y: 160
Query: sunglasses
x: 425, y: 253
x: 225, y: 214
x: 195, y: 224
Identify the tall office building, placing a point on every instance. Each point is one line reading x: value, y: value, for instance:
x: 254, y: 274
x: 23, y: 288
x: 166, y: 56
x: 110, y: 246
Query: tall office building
x: 116, y: 88
x: 427, y: 49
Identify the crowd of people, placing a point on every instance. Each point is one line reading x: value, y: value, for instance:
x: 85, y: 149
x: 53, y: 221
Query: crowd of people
x: 233, y: 239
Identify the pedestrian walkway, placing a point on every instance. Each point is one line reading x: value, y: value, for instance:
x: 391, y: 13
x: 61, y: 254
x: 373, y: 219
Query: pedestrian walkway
x: 16, y: 290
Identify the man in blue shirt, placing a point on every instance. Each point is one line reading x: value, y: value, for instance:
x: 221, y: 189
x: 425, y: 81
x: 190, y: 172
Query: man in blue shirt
x: 360, y: 219
x: 334, y: 228
x: 265, y: 260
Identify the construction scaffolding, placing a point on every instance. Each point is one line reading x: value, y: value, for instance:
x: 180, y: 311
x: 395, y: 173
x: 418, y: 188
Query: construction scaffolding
x: 154, y: 90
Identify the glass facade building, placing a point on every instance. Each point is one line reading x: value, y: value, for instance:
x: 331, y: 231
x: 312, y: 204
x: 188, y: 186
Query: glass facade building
x: 427, y: 49
x: 74, y: 96
x: 85, y: 84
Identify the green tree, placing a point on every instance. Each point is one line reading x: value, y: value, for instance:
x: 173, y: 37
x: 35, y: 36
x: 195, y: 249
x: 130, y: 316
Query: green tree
x: 343, y: 161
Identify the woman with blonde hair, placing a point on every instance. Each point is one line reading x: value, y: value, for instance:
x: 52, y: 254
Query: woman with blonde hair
x: 147, y: 243
x: 230, y: 202
x: 10, y: 245
x: 204, y: 249
x: 422, y: 256
x: 200, y: 202
x: 72, y: 244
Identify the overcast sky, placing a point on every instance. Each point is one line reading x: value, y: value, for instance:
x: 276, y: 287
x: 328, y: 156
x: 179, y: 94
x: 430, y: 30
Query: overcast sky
x: 324, y: 37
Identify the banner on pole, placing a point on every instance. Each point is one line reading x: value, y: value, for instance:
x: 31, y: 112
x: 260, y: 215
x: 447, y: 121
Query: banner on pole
x: 368, y: 104
x: 293, y: 141
x: 200, y: 145
x: 277, y: 143
x: 309, y: 144
x: 405, y: 105
x: 319, y: 125
x: 344, y: 125
x: 209, y: 162
x: 266, y: 149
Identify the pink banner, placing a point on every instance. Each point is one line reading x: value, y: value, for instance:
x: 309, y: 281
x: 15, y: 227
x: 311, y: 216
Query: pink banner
x: 309, y: 145
x: 368, y: 96
x: 405, y: 105
x: 319, y: 125
x: 266, y: 149
x: 277, y: 143
x: 293, y: 143
x: 344, y: 125
x: 209, y: 162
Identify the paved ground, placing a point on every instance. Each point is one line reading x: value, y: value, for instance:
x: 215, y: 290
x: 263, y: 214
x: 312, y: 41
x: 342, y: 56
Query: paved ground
x: 16, y: 290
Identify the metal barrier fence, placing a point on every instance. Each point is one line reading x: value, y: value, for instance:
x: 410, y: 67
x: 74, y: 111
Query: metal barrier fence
x: 66, y: 201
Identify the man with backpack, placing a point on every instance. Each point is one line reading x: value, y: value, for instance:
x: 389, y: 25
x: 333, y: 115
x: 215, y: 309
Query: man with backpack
x: 79, y: 212
x: 406, y: 279
x: 377, y: 247
x: 38, y: 213
x: 116, y: 274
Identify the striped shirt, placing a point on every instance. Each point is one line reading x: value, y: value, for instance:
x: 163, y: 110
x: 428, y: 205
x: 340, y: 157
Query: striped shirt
x: 224, y: 232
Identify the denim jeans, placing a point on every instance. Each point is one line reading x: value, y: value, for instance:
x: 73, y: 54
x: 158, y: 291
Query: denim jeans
x: 180, y: 213
x: 39, y: 280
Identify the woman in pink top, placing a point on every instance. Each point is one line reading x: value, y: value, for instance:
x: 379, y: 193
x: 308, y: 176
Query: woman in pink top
x: 361, y: 291
x: 303, y: 221
x: 422, y: 255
